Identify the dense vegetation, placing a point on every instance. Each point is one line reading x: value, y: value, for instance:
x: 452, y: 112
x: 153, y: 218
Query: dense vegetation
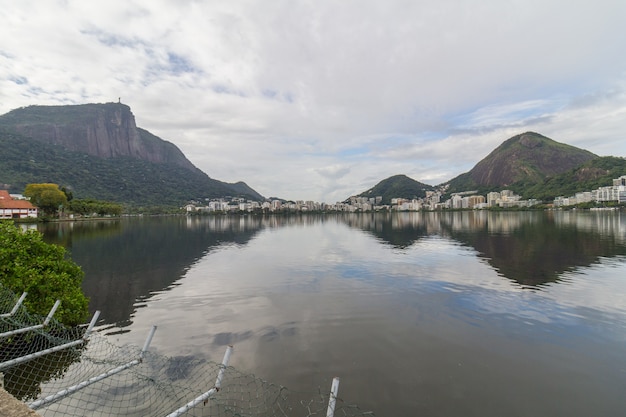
x: 43, y: 270
x: 464, y: 182
x: 123, y: 180
x: 398, y: 186
x: 90, y: 207
x: 598, y: 172
x: 48, y: 197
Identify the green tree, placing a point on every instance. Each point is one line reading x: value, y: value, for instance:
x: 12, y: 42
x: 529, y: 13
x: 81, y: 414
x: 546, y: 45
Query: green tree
x: 68, y: 193
x: 88, y: 207
x: 27, y: 263
x: 48, y: 197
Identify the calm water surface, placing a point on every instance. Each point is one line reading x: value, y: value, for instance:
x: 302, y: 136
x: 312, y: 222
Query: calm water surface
x: 455, y: 314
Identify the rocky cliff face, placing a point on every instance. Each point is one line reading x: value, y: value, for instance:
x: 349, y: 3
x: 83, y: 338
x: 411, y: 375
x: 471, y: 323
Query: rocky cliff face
x: 102, y: 130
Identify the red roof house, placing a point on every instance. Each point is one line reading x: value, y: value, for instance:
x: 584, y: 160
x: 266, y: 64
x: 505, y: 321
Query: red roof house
x: 15, y: 209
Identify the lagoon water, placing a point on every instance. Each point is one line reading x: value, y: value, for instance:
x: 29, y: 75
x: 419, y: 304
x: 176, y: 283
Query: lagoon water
x: 429, y: 314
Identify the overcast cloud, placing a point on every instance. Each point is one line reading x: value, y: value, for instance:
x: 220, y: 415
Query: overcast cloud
x: 319, y: 100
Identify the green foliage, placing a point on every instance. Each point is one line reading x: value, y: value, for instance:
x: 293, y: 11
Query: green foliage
x: 48, y: 197
x: 43, y: 270
x: 461, y: 183
x: 599, y: 172
x: 464, y: 182
x: 68, y: 193
x: 89, y: 207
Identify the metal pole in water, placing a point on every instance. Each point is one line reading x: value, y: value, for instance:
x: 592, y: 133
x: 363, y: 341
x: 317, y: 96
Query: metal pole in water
x: 225, y: 360
x: 147, y: 343
x: 330, y: 412
x: 92, y: 323
x: 206, y: 395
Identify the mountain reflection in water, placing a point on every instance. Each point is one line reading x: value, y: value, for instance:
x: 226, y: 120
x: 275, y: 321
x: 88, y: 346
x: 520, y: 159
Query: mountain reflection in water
x: 126, y: 261
x: 530, y: 248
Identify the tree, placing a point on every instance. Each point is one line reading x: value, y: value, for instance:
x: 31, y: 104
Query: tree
x: 27, y: 263
x: 48, y: 197
x: 68, y: 193
x: 88, y: 207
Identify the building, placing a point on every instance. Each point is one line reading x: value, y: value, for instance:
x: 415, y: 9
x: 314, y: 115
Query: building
x: 493, y: 198
x: 457, y: 201
x: 584, y: 197
x: 474, y: 200
x: 11, y: 208
x: 614, y: 193
x: 619, y: 181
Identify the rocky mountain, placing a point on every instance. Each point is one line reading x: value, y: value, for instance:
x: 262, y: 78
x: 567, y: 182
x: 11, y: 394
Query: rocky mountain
x: 102, y: 130
x: 397, y: 186
x: 98, y: 151
x: 525, y: 158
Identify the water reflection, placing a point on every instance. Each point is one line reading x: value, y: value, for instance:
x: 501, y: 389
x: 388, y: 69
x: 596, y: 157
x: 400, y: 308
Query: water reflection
x: 400, y: 230
x: 530, y: 248
x: 126, y: 262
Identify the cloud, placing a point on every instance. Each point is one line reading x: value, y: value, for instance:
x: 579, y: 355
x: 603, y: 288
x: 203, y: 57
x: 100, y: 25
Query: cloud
x: 287, y: 95
x: 333, y: 172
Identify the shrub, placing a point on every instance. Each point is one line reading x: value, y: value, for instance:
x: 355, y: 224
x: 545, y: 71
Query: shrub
x: 27, y: 263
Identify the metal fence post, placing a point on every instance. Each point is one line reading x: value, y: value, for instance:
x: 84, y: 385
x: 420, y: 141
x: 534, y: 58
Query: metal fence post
x: 334, y: 388
x: 17, y: 305
x: 206, y: 395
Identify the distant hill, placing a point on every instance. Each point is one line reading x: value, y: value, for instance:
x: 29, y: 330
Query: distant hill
x: 98, y: 152
x: 525, y: 158
x: 398, y: 186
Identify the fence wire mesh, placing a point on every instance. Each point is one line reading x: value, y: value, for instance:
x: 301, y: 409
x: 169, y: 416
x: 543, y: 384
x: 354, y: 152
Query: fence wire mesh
x: 156, y: 385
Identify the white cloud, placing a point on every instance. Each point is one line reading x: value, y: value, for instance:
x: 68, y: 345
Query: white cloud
x: 320, y: 100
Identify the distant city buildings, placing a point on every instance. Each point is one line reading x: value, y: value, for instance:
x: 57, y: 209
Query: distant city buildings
x: 431, y: 201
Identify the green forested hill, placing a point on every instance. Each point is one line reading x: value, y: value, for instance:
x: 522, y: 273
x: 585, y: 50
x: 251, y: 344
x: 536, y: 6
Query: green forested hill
x: 126, y: 180
x: 398, y: 186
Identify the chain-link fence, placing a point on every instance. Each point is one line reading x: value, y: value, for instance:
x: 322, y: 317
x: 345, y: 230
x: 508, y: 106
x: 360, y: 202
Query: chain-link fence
x: 81, y: 373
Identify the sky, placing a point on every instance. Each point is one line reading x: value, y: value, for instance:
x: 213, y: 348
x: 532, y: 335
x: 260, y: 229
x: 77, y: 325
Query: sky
x: 320, y: 100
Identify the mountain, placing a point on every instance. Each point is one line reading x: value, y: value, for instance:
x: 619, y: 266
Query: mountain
x: 98, y: 152
x: 102, y: 130
x: 398, y: 186
x: 525, y: 158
